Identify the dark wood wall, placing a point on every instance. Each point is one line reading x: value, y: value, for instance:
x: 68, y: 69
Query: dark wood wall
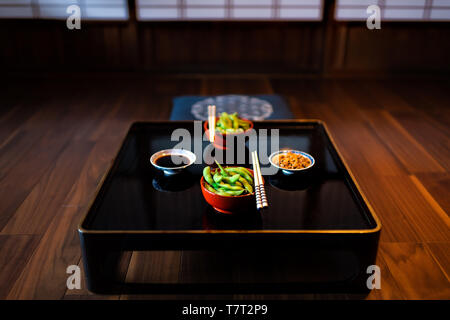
x: 325, y: 47
x: 396, y: 48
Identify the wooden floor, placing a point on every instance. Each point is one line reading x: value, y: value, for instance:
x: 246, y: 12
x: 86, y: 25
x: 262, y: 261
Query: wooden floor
x: 58, y: 137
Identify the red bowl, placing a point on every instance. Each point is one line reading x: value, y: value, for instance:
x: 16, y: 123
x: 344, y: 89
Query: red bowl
x: 220, y: 139
x: 227, y: 204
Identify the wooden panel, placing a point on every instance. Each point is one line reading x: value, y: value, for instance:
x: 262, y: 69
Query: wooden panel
x: 179, y: 46
x: 397, y: 47
x: 226, y: 47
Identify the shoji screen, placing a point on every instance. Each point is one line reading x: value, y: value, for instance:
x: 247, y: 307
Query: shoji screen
x: 262, y: 10
x: 395, y: 10
x: 56, y: 9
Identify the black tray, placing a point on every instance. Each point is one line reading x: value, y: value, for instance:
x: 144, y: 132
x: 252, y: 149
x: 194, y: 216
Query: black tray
x: 319, y: 224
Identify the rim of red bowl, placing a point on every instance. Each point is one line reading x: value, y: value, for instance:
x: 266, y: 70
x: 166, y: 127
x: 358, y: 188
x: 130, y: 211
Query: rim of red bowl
x: 202, y: 182
x: 205, y: 126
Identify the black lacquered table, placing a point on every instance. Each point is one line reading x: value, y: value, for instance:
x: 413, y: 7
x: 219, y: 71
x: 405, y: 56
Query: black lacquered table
x: 318, y: 226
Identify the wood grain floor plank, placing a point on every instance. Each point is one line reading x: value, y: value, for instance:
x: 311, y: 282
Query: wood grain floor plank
x: 120, y: 117
x: 389, y: 289
x: 416, y: 273
x: 438, y: 186
x: 13, y: 120
x: 15, y: 251
x: 434, y: 138
x: 54, y: 126
x: 250, y: 85
x: 27, y: 138
x: 412, y: 121
x: 413, y: 155
x: 381, y: 94
x: 16, y: 106
x: 12, y: 194
x: 399, y: 140
x: 93, y: 110
x: 441, y: 254
x: 44, y: 276
x: 399, y: 204
x: 431, y: 201
x: 430, y: 98
x: 40, y: 207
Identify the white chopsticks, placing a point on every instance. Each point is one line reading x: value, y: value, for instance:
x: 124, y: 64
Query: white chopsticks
x: 211, y: 122
x: 260, y: 192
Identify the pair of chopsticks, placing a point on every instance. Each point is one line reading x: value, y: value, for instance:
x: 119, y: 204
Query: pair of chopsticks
x: 211, y: 122
x: 260, y: 192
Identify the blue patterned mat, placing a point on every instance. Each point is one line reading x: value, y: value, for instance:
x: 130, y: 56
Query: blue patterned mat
x: 257, y: 107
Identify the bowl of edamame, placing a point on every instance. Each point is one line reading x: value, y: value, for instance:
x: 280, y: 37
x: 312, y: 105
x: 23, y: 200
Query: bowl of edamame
x: 228, y: 125
x: 228, y: 189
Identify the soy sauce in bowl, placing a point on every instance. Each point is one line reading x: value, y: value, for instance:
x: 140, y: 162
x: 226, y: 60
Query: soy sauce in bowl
x: 172, y: 161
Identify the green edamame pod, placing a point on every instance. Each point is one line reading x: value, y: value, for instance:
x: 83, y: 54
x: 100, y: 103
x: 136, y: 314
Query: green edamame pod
x: 235, y: 121
x: 226, y: 120
x: 227, y: 186
x: 231, y: 192
x: 220, y: 191
x: 233, y: 179
x: 208, y: 177
x: 243, y: 124
x: 208, y: 187
x: 241, y: 171
x: 219, y: 124
x: 222, y: 170
x: 246, y: 185
x: 223, y: 192
x: 248, y: 171
x: 217, y: 177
